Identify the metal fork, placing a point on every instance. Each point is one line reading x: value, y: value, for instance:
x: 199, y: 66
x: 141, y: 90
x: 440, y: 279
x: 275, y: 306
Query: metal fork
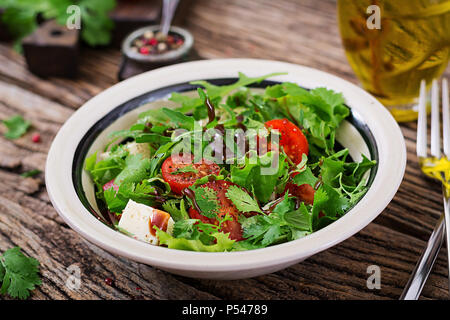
x: 428, y: 163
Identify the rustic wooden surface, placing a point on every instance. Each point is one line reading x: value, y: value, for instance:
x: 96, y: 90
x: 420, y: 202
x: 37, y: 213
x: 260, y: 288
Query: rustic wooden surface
x: 298, y: 31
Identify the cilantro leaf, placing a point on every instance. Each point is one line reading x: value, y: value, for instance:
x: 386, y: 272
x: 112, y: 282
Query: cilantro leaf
x: 206, y: 199
x: 19, y: 274
x: 143, y: 192
x: 97, y: 25
x: 284, y: 206
x: 114, y: 201
x: 305, y: 177
x: 176, y: 213
x: 17, y: 127
x: 136, y: 169
x: 263, y: 176
x: 242, y: 200
x: 300, y: 219
x: 20, y: 17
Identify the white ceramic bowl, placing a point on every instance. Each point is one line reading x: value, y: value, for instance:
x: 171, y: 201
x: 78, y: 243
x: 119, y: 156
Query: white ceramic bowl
x: 373, y: 132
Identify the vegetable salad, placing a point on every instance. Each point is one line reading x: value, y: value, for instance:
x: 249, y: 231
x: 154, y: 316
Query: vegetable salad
x: 232, y: 168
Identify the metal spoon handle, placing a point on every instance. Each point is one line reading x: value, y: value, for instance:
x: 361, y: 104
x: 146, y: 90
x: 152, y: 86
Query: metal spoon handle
x: 169, y: 8
x: 423, y: 267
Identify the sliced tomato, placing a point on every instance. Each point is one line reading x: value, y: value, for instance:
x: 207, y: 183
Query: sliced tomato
x: 110, y: 184
x: 303, y: 192
x: 181, y: 180
x: 292, y: 138
x: 226, y: 207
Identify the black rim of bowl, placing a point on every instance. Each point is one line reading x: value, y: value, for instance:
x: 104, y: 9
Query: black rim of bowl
x: 158, y: 94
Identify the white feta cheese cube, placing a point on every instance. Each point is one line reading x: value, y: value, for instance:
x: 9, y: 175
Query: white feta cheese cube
x: 137, y: 219
x: 138, y: 148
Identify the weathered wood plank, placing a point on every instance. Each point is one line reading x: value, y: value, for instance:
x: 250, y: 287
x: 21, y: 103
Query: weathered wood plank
x: 341, y: 272
x: 281, y: 30
x: 25, y: 221
x: 338, y: 273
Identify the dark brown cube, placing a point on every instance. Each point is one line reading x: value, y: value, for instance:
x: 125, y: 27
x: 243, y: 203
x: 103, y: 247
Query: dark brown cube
x: 52, y: 50
x: 131, y: 15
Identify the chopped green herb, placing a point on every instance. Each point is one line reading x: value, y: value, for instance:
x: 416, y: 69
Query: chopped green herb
x: 30, y: 173
x: 260, y: 196
x: 206, y: 199
x: 242, y: 200
x: 19, y: 274
x: 17, y: 127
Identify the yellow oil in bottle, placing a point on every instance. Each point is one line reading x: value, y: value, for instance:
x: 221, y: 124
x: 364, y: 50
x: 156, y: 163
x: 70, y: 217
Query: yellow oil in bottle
x: 412, y: 44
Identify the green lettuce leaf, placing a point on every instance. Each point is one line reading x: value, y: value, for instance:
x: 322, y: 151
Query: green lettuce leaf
x: 223, y: 242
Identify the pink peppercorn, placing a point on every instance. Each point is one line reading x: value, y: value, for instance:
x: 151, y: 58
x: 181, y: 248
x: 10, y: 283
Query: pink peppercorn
x: 36, y: 137
x: 109, y: 281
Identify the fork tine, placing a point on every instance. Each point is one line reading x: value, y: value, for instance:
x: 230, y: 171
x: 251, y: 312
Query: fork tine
x: 446, y: 117
x: 435, y: 126
x: 421, y: 145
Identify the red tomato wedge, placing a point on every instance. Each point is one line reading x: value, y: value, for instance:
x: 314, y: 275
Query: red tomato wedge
x: 178, y: 179
x: 304, y: 192
x: 226, y: 207
x: 292, y: 138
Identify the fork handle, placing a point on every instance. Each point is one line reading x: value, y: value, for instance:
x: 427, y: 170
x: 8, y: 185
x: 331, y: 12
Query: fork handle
x: 445, y: 195
x: 423, y: 267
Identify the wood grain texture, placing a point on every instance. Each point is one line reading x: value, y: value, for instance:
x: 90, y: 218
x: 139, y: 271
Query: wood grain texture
x: 298, y: 31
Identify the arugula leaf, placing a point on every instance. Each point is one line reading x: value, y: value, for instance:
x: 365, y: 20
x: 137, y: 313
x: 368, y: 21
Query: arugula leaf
x: 242, y: 200
x: 319, y: 111
x: 19, y: 274
x: 330, y: 170
x: 220, y: 91
x: 179, y: 119
x: 17, y: 127
x: 215, y: 92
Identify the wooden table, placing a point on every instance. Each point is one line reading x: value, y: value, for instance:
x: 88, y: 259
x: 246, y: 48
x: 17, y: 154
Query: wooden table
x: 298, y: 31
